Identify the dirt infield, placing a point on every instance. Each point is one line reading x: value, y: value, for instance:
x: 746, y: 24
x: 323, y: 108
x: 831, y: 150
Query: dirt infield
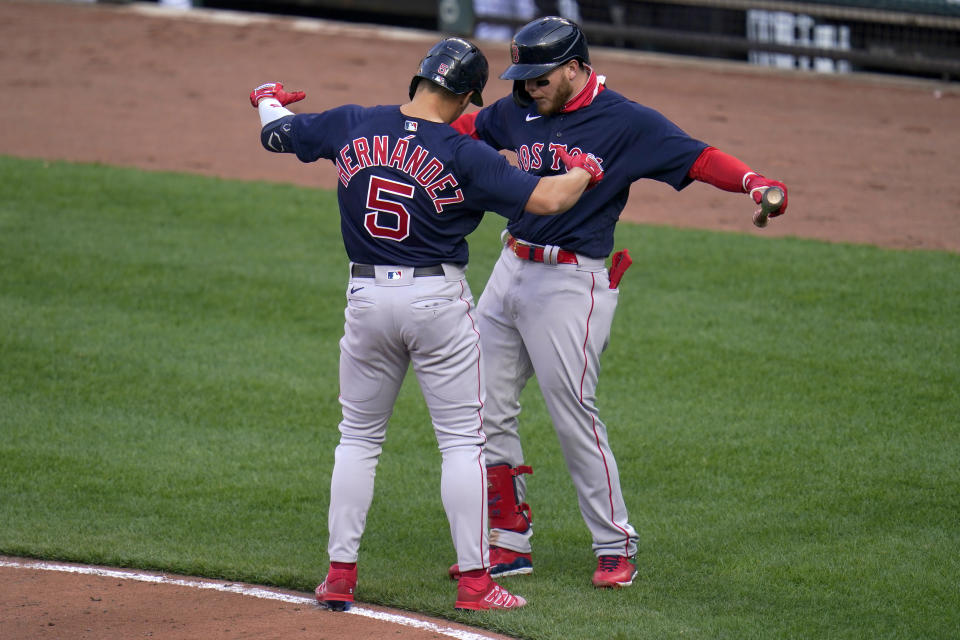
x: 40, y: 600
x: 867, y: 160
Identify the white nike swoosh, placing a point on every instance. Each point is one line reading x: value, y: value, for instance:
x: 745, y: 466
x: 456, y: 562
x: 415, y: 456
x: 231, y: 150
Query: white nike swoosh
x: 530, y: 117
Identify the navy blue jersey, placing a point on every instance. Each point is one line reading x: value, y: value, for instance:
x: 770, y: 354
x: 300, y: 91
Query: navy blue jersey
x: 410, y: 189
x: 630, y: 140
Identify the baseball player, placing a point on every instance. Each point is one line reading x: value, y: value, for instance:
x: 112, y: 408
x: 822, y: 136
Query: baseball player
x: 549, y: 303
x: 410, y: 189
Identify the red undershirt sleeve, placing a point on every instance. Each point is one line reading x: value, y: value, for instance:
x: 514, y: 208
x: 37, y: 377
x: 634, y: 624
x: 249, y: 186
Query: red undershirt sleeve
x: 720, y: 170
x: 467, y: 124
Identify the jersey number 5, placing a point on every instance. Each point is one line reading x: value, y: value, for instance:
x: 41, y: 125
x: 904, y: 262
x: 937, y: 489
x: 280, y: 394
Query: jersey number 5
x: 387, y: 211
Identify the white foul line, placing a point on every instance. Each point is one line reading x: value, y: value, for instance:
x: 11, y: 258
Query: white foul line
x: 245, y: 590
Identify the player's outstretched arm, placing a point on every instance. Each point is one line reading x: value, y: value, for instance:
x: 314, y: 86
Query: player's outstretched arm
x: 556, y: 194
x: 730, y: 174
x: 270, y: 101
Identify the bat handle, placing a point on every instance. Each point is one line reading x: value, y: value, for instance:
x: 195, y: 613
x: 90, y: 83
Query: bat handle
x: 770, y: 201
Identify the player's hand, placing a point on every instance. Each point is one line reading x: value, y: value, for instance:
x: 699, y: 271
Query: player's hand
x: 275, y: 90
x: 756, y: 184
x: 586, y: 161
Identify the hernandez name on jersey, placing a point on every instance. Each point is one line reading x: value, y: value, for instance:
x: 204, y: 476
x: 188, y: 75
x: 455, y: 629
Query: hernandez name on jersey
x: 418, y: 163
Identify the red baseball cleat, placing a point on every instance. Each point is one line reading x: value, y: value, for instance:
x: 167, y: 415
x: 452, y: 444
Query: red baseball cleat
x: 503, y: 562
x: 483, y: 593
x: 614, y: 572
x: 336, y: 592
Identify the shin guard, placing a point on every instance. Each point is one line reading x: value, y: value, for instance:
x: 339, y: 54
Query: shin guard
x: 503, y: 503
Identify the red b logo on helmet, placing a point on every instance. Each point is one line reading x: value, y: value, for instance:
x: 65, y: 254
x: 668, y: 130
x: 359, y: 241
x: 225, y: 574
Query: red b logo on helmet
x: 515, y: 52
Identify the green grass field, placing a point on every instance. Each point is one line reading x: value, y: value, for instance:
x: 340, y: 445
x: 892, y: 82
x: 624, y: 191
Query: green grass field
x: 784, y: 412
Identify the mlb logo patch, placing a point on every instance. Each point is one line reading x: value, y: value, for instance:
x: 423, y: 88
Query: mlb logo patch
x: 410, y: 125
x: 394, y: 275
x: 443, y: 68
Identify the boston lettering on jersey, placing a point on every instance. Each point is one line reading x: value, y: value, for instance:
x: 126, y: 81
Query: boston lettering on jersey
x: 383, y: 151
x: 530, y: 157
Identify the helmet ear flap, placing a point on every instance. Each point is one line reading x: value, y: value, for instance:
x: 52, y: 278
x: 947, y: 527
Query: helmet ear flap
x: 520, y: 95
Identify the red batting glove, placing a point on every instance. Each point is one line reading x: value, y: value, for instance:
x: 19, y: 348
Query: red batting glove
x: 275, y: 90
x: 586, y: 161
x: 755, y: 185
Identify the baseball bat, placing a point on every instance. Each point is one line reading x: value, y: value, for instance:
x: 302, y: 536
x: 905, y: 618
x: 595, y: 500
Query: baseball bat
x: 770, y: 202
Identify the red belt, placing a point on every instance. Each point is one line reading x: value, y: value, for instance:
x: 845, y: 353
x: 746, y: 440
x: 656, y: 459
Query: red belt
x: 526, y: 251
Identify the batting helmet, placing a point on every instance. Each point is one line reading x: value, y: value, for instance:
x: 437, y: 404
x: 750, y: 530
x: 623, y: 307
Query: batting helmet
x: 545, y: 44
x: 457, y: 66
